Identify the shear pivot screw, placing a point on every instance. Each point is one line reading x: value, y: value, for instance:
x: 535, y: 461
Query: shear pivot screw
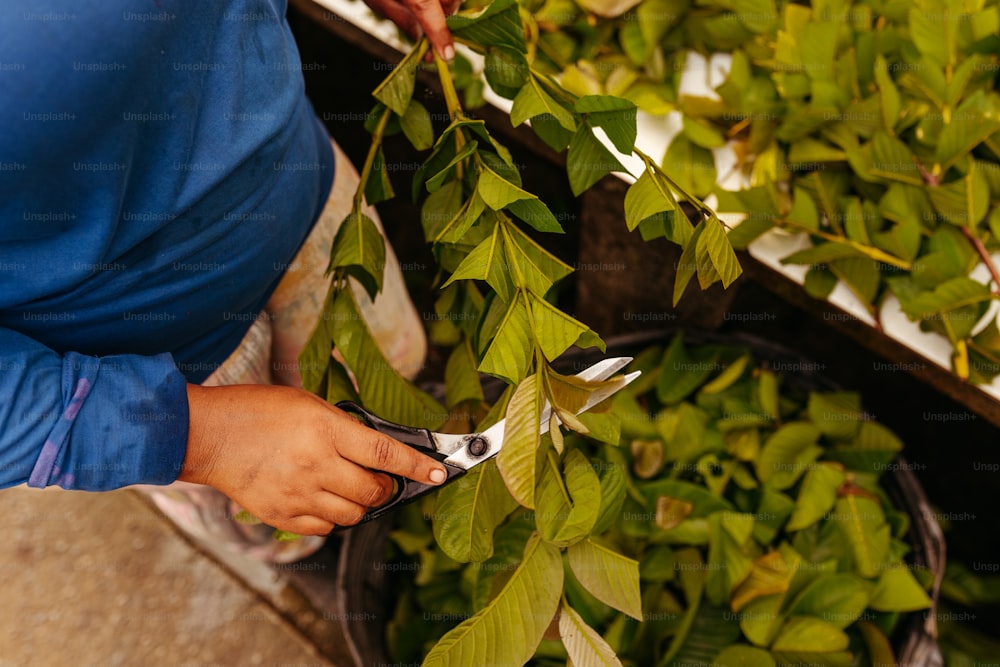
x: 478, y: 446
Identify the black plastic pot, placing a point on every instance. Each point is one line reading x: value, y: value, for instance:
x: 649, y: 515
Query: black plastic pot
x: 361, y: 577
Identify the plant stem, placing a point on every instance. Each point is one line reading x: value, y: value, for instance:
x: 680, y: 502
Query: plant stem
x: 871, y: 252
x: 448, y: 87
x: 373, y: 150
x: 985, y: 256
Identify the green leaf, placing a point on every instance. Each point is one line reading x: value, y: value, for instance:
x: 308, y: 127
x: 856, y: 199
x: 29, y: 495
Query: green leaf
x: 441, y: 210
x: 906, y: 206
x: 926, y: 33
x: 416, y: 124
x: 339, y: 386
x: 691, y: 166
x: 772, y: 513
x: 563, y: 521
x: 608, y: 575
x: 533, y: 267
x: 506, y: 71
x: 818, y: 255
x: 359, y: 250
x: 728, y: 377
x: 396, y: 90
x: 743, y: 656
x: 648, y: 196
x: 809, y: 634
x: 714, y: 243
x: 517, y: 458
x: 948, y: 296
x: 888, y: 94
x: 487, y: 262
x: 588, y: 161
x: 549, y: 130
x: 468, y: 511
x: 861, y: 274
x: 246, y: 518
x: 804, y: 210
x: 382, y: 390
x: 698, y: 643
x: 533, y: 101
x: 787, y: 453
x: 556, y: 331
x: 837, y: 414
x: 681, y: 371
x: 613, y: 483
x: 893, y: 161
x: 688, y: 264
x: 871, y: 451
x: 442, y: 175
x: 614, y: 115
x: 509, y: 353
x: 769, y: 575
x: 499, y: 193
x: 974, y: 122
x: 876, y: 643
x: 863, y: 525
x: 898, y: 590
x: 701, y: 133
x: 314, y: 359
x: 497, y: 24
x: 585, y: 647
x: 767, y: 388
x: 378, y: 187
x: 461, y: 380
x: 747, y: 231
x: 508, y: 630
x: 727, y: 565
x: 816, y: 496
x: 839, y: 599
x: 964, y: 202
x: 819, y: 282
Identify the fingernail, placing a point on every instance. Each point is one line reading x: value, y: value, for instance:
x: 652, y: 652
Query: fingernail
x: 449, y: 53
x: 438, y: 475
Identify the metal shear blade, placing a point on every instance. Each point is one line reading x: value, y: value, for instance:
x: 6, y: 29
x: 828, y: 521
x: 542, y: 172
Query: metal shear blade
x: 466, y: 451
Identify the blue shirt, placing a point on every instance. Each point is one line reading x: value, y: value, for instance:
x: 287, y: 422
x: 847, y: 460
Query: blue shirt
x: 159, y: 168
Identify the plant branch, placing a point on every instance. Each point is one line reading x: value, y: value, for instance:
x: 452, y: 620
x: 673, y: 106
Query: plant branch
x: 984, y: 255
x: 373, y: 150
x: 870, y: 251
x: 448, y: 87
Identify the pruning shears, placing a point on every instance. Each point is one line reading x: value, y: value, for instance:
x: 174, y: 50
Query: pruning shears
x: 461, y: 453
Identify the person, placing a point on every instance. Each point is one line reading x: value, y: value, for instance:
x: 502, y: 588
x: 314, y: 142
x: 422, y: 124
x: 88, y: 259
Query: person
x: 167, y: 195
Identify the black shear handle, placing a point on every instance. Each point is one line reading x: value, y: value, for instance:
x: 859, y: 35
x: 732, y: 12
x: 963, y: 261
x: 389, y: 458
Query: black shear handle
x: 404, y: 490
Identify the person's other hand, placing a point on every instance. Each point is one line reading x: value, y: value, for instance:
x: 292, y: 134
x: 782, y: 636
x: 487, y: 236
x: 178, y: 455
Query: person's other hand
x: 417, y: 17
x: 292, y: 460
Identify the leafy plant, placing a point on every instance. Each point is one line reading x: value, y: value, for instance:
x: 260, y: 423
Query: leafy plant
x: 497, y: 311
x: 873, y: 127
x: 735, y: 523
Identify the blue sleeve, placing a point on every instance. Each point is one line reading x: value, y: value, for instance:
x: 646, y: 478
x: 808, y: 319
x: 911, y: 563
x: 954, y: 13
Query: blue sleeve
x: 88, y: 423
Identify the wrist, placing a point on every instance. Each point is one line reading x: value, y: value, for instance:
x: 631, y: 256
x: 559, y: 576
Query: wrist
x: 203, y: 441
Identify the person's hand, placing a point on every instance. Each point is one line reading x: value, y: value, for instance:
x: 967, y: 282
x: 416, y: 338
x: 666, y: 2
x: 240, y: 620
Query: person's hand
x: 417, y: 17
x: 292, y: 460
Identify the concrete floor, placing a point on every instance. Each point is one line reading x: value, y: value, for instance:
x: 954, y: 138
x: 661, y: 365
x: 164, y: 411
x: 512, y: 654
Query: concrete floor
x: 102, y: 579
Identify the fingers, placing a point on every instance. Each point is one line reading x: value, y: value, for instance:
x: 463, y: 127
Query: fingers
x: 361, y: 486
x: 431, y: 16
x: 398, y: 14
x: 381, y: 452
x: 373, y: 450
